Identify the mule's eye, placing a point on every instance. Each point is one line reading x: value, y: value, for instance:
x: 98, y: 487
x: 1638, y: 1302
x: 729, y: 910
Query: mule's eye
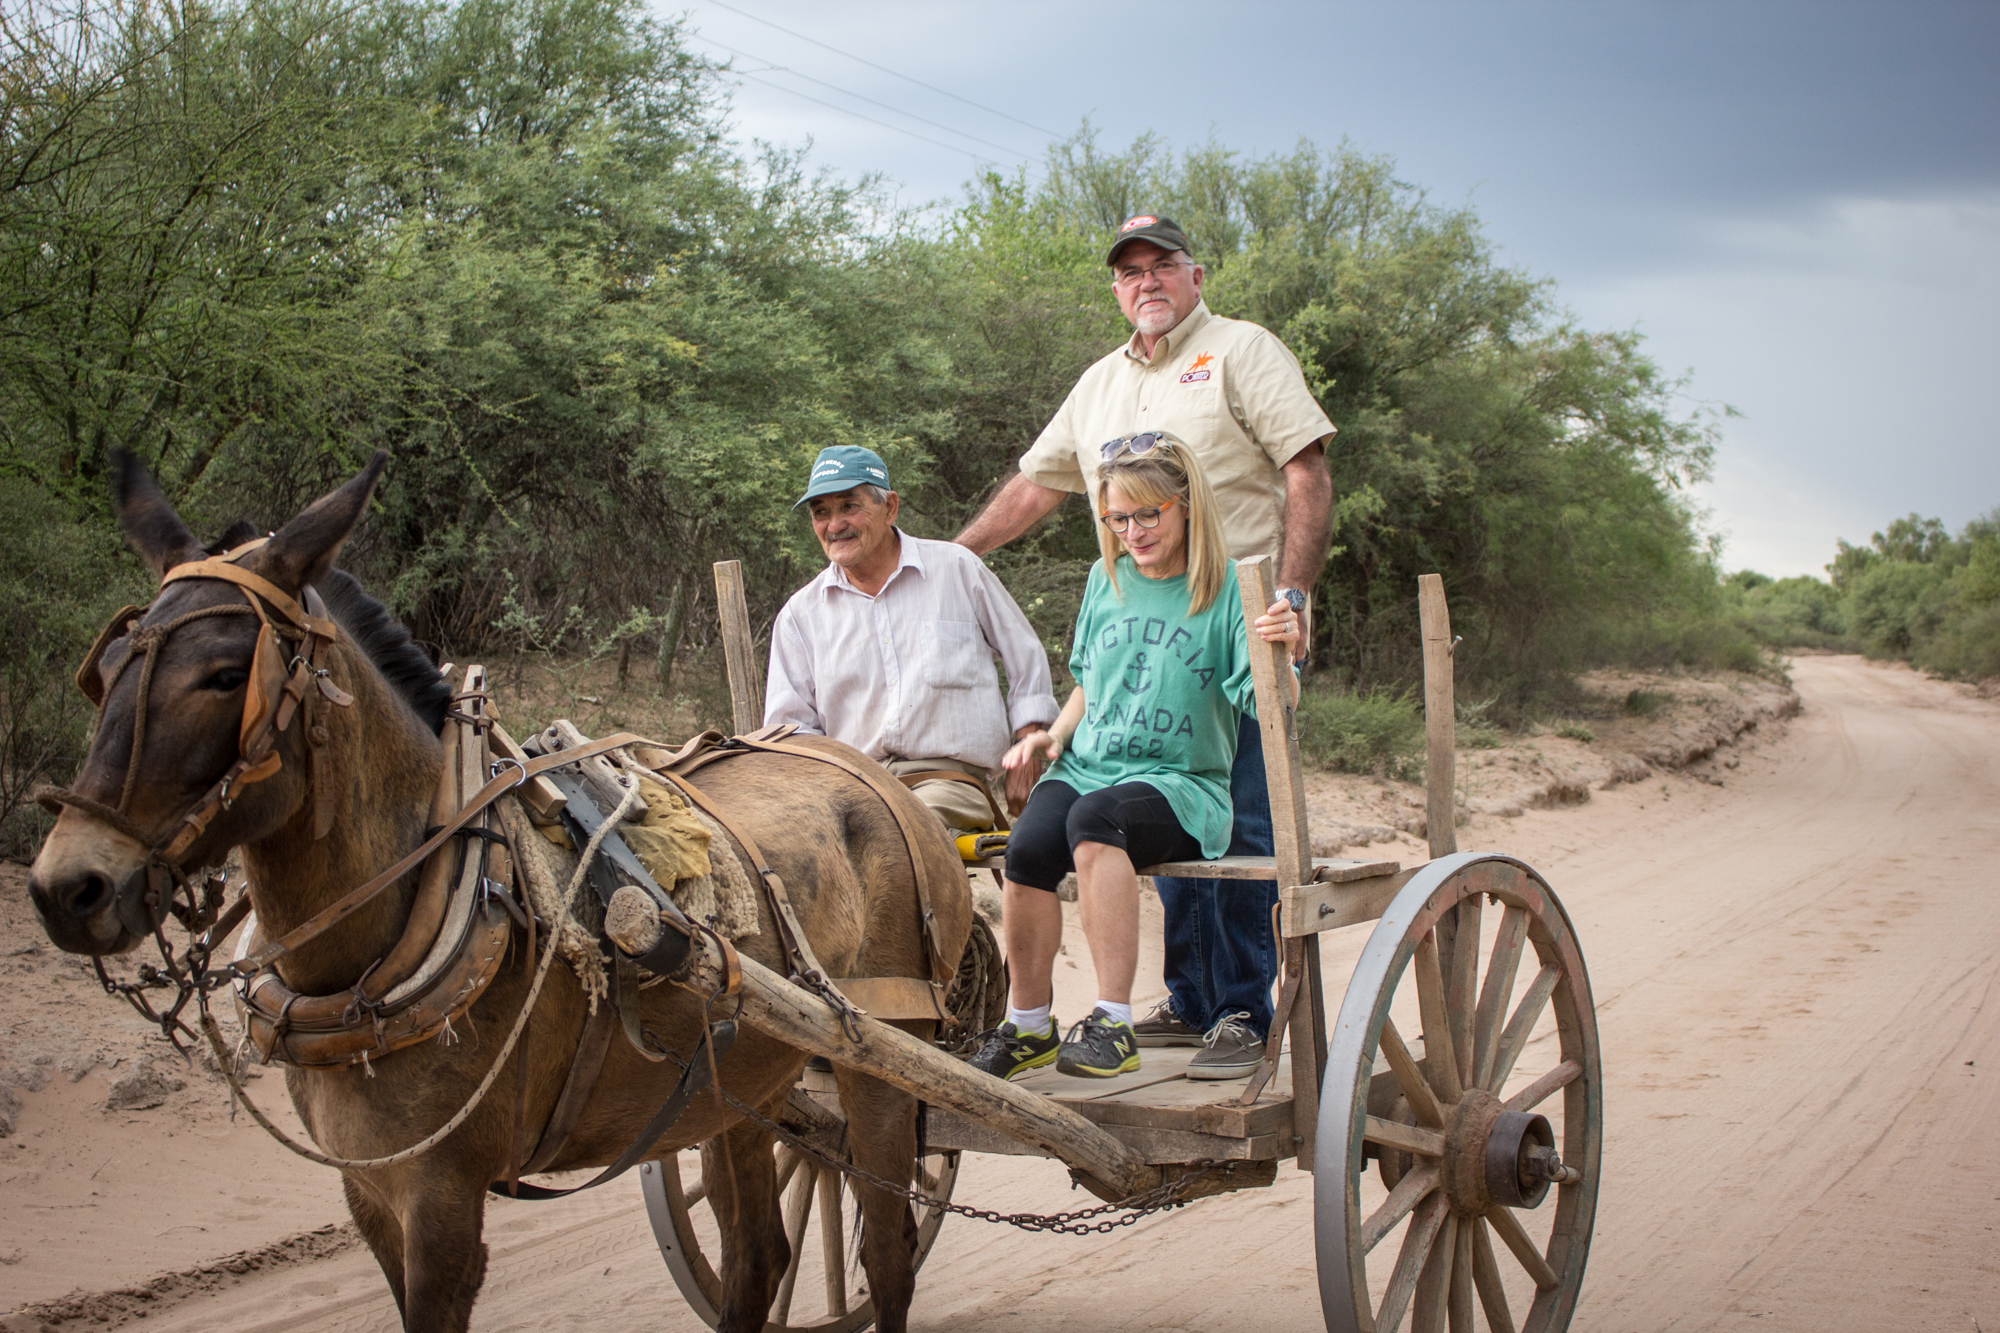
x: 226, y: 680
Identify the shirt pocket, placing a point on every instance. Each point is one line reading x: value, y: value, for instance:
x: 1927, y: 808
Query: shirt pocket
x: 960, y: 659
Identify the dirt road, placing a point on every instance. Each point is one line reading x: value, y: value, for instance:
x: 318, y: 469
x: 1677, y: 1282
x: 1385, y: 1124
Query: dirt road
x: 1795, y: 979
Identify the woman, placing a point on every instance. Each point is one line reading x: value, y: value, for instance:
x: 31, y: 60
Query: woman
x: 1140, y: 754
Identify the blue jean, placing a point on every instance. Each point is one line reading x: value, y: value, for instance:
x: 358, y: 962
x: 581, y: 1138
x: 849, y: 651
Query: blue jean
x: 1220, y: 959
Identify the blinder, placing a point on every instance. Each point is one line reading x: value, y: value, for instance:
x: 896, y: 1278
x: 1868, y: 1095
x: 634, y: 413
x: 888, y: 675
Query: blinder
x: 283, y: 682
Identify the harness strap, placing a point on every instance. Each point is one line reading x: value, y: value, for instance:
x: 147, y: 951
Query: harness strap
x: 515, y: 776
x: 790, y: 932
x: 585, y: 1066
x: 224, y: 568
x: 941, y: 975
x: 696, y: 1076
x: 913, y: 780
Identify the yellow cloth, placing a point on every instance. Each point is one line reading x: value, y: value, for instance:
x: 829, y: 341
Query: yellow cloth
x: 668, y: 840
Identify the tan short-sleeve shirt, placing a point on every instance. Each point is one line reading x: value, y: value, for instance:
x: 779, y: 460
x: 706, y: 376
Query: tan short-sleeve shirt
x: 1227, y: 387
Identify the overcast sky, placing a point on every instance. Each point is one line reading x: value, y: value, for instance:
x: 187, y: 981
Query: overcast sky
x: 1798, y: 202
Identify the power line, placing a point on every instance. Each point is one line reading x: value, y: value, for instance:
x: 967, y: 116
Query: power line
x: 885, y: 69
x: 984, y: 161
x: 847, y: 92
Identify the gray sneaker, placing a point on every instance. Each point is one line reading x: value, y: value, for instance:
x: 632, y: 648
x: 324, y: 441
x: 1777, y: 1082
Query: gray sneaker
x: 1163, y: 1027
x: 1229, y: 1050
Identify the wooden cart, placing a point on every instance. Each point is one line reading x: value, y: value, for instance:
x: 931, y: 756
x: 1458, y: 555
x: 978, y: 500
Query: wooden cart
x: 1428, y: 1111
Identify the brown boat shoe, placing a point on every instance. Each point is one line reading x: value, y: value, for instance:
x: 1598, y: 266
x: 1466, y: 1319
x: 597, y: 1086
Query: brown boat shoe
x: 1229, y: 1050
x: 1163, y: 1027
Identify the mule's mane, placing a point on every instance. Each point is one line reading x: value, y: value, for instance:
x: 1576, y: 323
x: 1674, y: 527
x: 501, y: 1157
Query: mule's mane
x: 380, y: 635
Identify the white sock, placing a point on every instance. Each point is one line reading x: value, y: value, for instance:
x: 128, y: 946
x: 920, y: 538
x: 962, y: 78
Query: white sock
x: 1120, y: 1012
x: 1029, y: 1022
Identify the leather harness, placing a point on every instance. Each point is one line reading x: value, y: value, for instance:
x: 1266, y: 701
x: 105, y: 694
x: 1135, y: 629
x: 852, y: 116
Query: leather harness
x: 372, y: 1018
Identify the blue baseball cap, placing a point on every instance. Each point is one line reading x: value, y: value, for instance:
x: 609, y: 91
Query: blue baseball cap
x: 842, y: 467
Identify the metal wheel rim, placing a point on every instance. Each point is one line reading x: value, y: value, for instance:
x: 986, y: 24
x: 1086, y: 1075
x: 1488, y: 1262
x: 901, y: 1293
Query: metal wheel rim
x: 680, y: 1244
x: 1338, y: 1222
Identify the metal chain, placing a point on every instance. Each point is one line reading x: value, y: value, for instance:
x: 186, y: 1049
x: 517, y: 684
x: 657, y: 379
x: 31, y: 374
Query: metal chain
x: 1068, y: 1224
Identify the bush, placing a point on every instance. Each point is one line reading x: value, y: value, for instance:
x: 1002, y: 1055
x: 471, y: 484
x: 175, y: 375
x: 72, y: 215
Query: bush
x: 1787, y: 613
x: 1377, y: 732
x: 1645, y: 703
x: 60, y: 580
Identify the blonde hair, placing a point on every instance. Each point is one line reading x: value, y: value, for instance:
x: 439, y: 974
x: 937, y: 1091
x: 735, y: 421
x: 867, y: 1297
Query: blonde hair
x: 1168, y: 472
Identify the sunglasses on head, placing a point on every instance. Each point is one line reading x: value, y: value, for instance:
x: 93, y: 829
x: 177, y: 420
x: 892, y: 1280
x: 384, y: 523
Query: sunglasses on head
x: 1136, y: 445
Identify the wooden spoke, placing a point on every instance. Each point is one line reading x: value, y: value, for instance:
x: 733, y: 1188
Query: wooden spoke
x: 1486, y: 1273
x: 1498, y: 990
x: 1409, y: 1077
x: 1515, y: 1038
x: 788, y: 1165
x: 832, y: 1247
x: 1410, y: 1138
x: 1427, y: 1315
x: 1503, y: 1221
x: 1460, y: 1296
x: 1463, y: 983
x: 1410, y: 1191
x: 927, y: 1182
x: 1410, y: 1262
x: 797, y: 1209
x: 696, y: 1192
x: 1438, y: 1047
x: 1532, y: 1096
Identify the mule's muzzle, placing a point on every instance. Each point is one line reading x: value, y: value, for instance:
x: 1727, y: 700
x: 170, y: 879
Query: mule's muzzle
x: 90, y: 893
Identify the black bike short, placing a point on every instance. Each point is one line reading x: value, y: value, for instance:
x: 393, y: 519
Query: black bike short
x: 1132, y: 815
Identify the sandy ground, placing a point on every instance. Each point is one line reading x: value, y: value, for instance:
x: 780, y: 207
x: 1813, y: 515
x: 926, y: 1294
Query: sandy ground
x: 1794, y: 962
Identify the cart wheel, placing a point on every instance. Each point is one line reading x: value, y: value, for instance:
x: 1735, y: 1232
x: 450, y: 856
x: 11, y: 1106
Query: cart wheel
x: 805, y: 1188
x: 1451, y: 1093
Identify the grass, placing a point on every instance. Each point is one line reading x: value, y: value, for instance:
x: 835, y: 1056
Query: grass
x: 1645, y: 703
x: 1380, y: 732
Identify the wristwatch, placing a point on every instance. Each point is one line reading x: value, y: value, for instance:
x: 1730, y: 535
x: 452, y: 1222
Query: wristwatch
x: 1295, y: 597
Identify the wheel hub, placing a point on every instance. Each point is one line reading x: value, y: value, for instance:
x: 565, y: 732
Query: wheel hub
x: 1494, y: 1156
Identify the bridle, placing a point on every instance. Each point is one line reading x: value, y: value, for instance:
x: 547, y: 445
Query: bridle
x: 279, y: 691
x: 288, y: 678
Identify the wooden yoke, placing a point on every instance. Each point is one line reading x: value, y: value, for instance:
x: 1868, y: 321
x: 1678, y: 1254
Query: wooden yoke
x: 1301, y: 1003
x: 746, y: 691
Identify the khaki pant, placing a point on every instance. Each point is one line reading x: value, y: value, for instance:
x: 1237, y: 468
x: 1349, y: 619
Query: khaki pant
x: 957, y: 804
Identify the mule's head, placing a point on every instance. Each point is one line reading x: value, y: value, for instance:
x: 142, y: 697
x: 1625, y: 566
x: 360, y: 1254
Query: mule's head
x: 89, y: 882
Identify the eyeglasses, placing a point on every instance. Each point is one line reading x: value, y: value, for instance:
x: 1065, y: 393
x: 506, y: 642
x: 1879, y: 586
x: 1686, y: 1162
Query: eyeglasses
x: 1136, y: 445
x: 1163, y: 270
x: 1145, y: 518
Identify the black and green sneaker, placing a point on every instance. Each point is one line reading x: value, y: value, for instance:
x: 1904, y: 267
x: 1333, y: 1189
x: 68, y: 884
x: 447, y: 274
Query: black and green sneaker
x: 1099, y: 1047
x: 1007, y: 1053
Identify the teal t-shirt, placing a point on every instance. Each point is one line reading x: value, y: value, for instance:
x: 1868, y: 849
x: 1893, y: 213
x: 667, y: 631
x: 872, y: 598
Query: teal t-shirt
x: 1164, y: 693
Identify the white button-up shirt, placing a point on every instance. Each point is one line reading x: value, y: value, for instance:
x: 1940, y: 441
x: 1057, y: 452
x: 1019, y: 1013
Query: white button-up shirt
x: 908, y: 673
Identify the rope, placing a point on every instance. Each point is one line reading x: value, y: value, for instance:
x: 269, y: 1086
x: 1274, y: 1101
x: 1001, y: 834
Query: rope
x: 213, y: 1032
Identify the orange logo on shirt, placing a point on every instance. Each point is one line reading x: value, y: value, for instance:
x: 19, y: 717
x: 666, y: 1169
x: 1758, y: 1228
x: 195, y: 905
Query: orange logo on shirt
x: 1201, y: 361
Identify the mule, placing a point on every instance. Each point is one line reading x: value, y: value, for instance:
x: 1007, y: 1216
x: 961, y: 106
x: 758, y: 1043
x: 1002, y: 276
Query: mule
x: 851, y: 873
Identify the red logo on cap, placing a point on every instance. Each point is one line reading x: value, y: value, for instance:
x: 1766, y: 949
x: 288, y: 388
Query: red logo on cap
x: 1143, y: 220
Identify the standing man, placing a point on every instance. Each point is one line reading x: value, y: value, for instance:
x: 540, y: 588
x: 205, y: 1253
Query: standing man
x: 1235, y: 395
x: 890, y: 648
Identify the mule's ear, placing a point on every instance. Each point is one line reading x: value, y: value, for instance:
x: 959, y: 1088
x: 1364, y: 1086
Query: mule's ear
x: 151, y: 525
x: 305, y: 548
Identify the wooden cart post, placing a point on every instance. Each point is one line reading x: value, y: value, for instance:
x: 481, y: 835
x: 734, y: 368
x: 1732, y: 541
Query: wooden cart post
x: 1302, y: 1010
x: 1440, y: 751
x: 746, y: 691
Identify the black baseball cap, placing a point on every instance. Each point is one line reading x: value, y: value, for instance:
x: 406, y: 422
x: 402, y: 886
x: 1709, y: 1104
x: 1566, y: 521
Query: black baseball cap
x: 1163, y: 232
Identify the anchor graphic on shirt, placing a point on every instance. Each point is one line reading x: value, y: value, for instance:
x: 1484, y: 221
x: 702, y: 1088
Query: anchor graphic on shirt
x: 1138, y: 676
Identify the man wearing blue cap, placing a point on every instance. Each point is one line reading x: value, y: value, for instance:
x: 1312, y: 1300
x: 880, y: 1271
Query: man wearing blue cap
x: 1235, y: 395
x: 891, y: 647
